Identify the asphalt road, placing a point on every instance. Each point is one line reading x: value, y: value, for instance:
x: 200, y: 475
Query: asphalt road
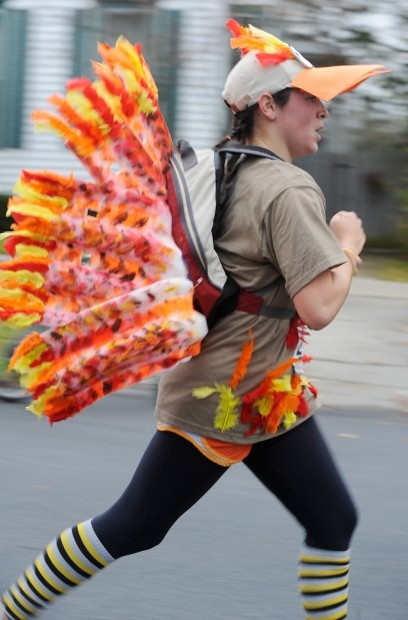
x: 234, y: 555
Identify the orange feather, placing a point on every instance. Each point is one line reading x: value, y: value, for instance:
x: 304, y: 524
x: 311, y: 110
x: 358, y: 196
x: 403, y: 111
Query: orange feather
x: 243, y: 362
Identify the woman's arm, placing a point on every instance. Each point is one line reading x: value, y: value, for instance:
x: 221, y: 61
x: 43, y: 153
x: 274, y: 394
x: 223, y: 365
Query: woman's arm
x: 320, y: 300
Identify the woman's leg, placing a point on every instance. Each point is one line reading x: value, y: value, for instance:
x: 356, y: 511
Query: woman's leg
x: 299, y: 470
x: 171, y: 477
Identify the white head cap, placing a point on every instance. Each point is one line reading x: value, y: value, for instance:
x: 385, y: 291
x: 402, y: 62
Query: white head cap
x: 249, y: 79
x: 270, y: 65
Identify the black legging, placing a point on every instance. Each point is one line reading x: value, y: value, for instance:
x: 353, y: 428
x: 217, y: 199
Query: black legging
x: 173, y: 475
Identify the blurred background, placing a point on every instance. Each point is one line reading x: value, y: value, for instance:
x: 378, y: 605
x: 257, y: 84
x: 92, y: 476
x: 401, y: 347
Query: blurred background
x: 363, y: 158
x: 360, y: 361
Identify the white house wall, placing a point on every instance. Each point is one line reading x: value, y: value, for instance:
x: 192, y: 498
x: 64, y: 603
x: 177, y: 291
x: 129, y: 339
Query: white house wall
x: 203, y: 62
x: 201, y: 116
x: 47, y: 67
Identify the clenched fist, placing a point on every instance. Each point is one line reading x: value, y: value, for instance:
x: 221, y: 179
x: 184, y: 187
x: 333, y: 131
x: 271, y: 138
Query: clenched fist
x: 348, y: 228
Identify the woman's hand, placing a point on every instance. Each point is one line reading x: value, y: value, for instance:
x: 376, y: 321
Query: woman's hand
x: 319, y: 301
x: 348, y: 228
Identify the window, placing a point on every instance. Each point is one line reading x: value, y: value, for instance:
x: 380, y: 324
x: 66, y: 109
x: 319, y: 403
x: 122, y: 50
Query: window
x: 155, y: 29
x: 248, y: 14
x: 12, y: 57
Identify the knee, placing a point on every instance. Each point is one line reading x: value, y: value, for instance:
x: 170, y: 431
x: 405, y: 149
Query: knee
x: 144, y: 540
x: 346, y: 524
x: 128, y: 534
x: 335, y: 531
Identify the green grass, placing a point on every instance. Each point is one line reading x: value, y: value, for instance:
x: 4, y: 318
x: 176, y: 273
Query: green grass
x: 6, y: 336
x: 385, y: 266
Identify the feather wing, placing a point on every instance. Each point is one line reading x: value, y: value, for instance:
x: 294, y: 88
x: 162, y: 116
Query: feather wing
x: 95, y: 260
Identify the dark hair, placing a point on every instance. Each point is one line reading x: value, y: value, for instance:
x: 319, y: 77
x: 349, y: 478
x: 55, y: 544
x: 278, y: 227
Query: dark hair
x: 244, y: 120
x: 282, y: 97
x: 243, y: 123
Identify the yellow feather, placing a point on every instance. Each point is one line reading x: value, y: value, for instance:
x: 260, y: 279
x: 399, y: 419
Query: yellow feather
x: 23, y: 249
x: 289, y: 420
x: 112, y: 101
x: 21, y: 320
x: 23, y: 189
x: 22, y: 365
x: 226, y: 415
x: 84, y: 107
x: 22, y: 276
x: 30, y: 209
x: 37, y: 407
x: 18, y: 295
x: 282, y: 385
x: 31, y: 377
x: 264, y: 405
x: 203, y: 392
x: 23, y: 233
x: 271, y: 41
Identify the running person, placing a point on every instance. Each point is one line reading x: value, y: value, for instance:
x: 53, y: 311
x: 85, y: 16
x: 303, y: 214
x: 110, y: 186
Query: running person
x: 245, y: 398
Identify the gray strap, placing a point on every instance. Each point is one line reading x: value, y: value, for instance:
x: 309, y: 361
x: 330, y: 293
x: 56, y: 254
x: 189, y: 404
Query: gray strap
x: 189, y: 157
x: 187, y: 153
x: 272, y: 311
x: 247, y: 149
x: 276, y: 313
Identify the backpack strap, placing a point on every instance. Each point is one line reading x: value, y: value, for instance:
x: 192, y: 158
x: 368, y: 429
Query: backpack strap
x: 253, y: 303
x: 247, y: 149
x: 247, y: 301
x: 187, y: 154
x: 232, y: 297
x: 235, y: 298
x: 273, y: 311
x: 224, y: 178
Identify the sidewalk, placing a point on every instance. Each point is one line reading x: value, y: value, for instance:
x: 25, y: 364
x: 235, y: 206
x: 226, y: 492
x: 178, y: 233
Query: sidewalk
x: 361, y: 359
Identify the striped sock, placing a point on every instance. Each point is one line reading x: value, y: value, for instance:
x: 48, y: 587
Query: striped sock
x: 323, y: 579
x: 67, y: 561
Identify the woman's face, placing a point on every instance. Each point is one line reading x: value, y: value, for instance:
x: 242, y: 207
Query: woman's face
x: 299, y: 123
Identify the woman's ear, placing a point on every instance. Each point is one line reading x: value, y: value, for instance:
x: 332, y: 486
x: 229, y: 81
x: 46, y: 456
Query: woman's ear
x: 267, y: 105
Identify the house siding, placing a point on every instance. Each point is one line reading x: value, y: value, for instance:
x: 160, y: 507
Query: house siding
x: 202, y: 60
x: 48, y: 65
x: 201, y: 115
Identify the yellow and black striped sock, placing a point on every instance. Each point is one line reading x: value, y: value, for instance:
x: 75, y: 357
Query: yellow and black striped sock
x: 67, y: 561
x: 323, y: 579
